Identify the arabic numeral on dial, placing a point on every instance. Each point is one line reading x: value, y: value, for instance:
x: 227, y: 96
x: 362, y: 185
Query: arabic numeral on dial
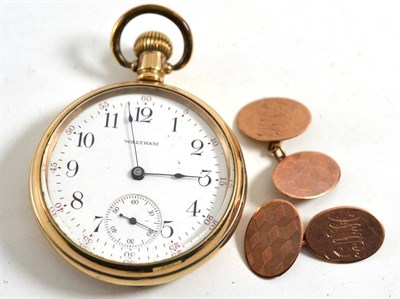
x: 103, y: 105
x: 70, y: 130
x: 205, y: 180
x: 130, y: 241
x: 111, y: 118
x: 129, y: 254
x: 197, y: 145
x: 53, y: 167
x: 211, y: 222
x: 214, y: 141
x: 150, y: 232
x: 167, y: 231
x: 146, y: 98
x: 224, y: 182
x: 57, y: 208
x: 193, y: 209
x: 77, y: 202
x: 175, y: 249
x: 143, y: 114
x: 86, y: 241
x: 175, y: 119
x: 86, y: 140
x: 73, y: 168
x: 100, y: 219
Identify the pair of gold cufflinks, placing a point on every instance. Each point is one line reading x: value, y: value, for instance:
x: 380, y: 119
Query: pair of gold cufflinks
x: 275, y: 235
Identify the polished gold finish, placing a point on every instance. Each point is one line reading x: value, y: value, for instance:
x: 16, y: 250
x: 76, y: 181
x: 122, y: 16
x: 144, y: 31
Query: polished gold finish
x: 303, y: 175
x: 273, y: 238
x: 151, y: 9
x: 276, y: 149
x: 143, y: 274
x: 151, y: 66
x: 153, y: 50
x: 273, y: 119
x: 344, y: 235
x: 306, y: 175
x: 153, y: 41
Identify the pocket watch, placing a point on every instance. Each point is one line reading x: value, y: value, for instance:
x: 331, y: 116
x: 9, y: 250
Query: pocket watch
x: 139, y: 183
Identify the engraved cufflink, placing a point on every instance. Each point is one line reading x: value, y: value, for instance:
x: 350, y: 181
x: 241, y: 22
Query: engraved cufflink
x: 274, y: 236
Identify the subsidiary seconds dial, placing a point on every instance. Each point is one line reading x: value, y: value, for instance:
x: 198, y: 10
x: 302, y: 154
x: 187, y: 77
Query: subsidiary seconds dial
x: 133, y: 221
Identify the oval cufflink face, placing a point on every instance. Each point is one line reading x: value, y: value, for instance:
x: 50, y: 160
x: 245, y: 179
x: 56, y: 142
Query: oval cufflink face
x: 306, y: 175
x: 273, y: 238
x: 273, y: 119
x: 344, y: 235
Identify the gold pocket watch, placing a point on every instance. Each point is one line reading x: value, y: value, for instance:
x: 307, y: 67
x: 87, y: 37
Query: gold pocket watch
x: 139, y: 183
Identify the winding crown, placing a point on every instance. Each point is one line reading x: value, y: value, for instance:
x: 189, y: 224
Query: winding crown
x: 153, y: 41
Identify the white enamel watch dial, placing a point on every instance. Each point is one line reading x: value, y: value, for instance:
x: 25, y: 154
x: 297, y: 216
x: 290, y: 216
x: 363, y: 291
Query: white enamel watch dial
x: 137, y: 175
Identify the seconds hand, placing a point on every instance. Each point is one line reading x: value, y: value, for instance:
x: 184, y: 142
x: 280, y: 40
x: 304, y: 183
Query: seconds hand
x: 133, y: 221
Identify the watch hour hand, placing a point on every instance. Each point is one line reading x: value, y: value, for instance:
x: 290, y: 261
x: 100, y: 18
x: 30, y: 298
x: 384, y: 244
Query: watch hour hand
x: 175, y: 175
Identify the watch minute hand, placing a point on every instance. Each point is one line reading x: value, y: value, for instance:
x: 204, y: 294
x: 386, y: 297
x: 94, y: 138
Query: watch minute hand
x: 130, y: 119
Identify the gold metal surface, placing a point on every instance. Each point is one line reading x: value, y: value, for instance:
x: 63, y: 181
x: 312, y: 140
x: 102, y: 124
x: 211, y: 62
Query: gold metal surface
x: 152, y: 273
x: 273, y: 238
x: 344, y: 235
x: 306, y: 175
x: 273, y: 119
x: 153, y: 50
x: 151, y: 9
x: 153, y: 41
x: 150, y: 66
x: 276, y: 149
